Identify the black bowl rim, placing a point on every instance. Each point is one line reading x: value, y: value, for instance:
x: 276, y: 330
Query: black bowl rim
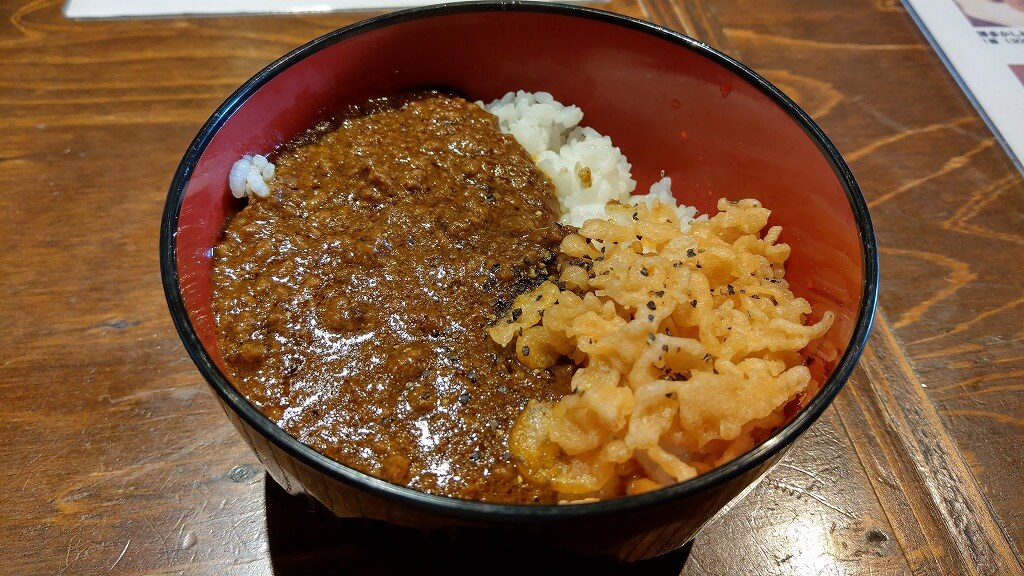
x: 516, y: 513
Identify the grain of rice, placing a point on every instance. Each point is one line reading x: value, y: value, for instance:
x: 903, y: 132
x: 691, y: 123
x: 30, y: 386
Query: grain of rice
x: 251, y: 174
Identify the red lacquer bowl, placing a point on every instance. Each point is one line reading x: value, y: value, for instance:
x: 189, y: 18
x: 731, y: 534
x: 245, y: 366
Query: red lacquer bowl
x: 671, y: 103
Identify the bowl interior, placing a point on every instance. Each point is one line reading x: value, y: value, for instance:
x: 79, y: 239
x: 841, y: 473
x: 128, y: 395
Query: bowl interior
x: 669, y: 105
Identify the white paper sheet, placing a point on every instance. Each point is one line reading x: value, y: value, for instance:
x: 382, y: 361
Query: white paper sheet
x: 155, y: 8
x: 982, y: 42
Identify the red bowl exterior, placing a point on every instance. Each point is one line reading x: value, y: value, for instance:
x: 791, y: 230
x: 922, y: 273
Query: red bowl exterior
x: 643, y: 533
x: 669, y: 102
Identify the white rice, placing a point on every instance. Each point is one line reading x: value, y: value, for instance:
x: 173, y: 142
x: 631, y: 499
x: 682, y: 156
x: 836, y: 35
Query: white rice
x: 588, y: 171
x: 251, y: 174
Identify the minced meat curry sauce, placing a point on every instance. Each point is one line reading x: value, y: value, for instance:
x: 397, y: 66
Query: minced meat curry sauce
x: 352, y: 303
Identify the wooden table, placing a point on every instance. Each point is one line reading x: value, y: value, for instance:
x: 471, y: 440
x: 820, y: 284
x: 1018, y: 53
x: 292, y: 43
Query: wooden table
x: 116, y: 459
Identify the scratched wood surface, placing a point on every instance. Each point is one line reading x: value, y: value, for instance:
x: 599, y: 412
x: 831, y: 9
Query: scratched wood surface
x: 114, y: 457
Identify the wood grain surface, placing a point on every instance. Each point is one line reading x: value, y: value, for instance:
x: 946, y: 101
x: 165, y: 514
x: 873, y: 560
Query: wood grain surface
x: 115, y: 458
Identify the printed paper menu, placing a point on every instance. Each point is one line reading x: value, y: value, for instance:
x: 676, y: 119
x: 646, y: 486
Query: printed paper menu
x: 982, y: 42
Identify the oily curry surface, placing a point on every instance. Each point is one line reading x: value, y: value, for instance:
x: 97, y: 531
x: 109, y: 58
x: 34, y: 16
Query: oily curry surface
x: 352, y: 302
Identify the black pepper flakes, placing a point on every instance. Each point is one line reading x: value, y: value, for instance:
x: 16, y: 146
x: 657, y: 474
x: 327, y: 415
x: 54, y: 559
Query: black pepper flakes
x: 516, y: 313
x: 464, y: 398
x: 730, y: 289
x: 650, y: 317
x: 690, y: 253
x: 693, y: 303
x: 651, y: 306
x: 644, y: 272
x: 650, y: 336
x: 526, y: 350
x: 659, y: 293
